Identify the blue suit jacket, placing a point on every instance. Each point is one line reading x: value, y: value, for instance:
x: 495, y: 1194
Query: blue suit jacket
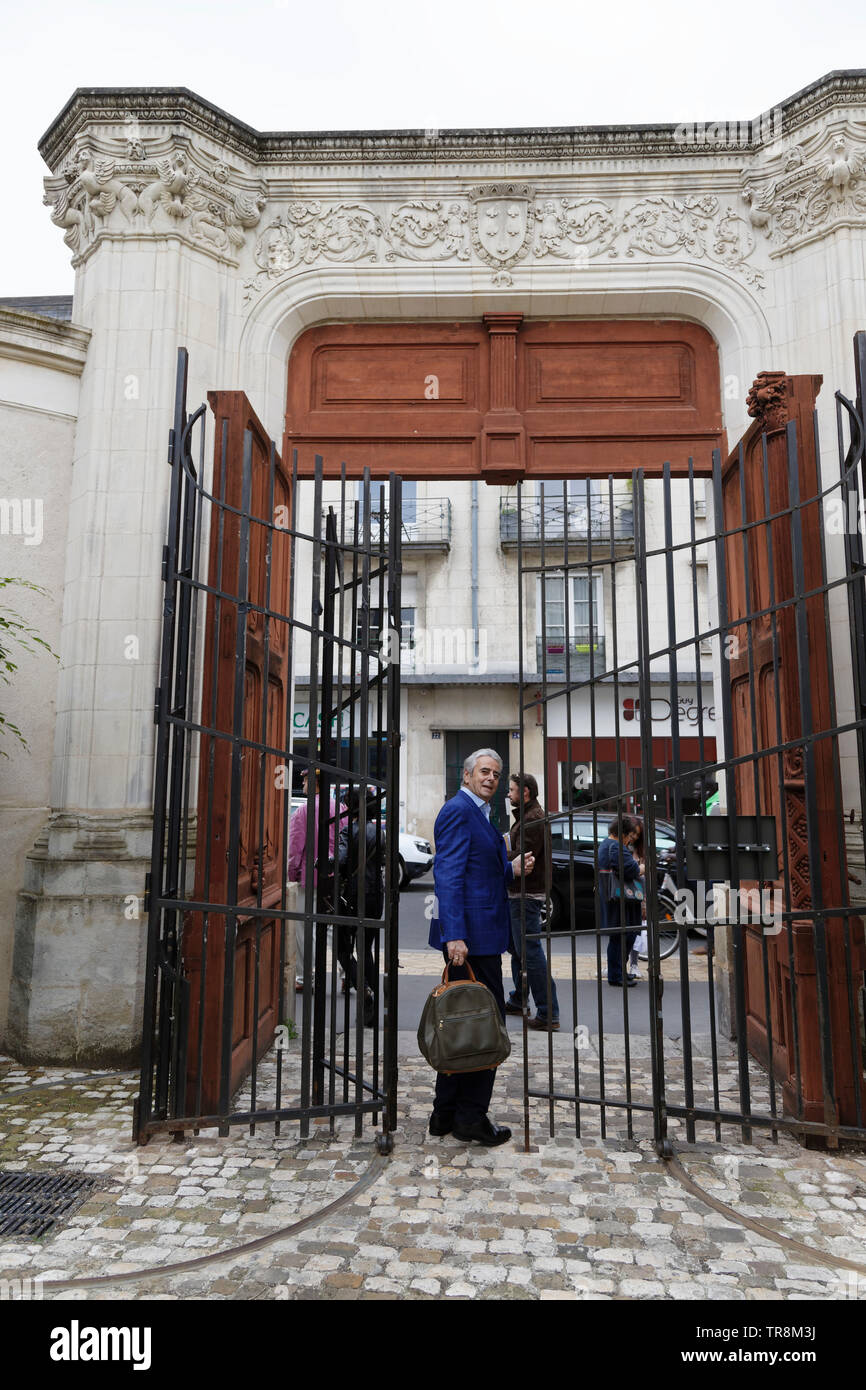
x: 470, y: 873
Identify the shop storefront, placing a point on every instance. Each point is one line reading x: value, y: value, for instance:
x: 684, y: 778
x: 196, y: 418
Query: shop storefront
x: 581, y: 770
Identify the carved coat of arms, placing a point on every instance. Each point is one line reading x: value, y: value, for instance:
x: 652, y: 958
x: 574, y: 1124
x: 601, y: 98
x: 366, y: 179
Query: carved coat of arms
x: 501, y: 222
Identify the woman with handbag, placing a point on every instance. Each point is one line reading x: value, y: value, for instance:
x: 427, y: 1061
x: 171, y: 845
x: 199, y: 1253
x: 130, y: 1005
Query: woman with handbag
x: 621, y: 868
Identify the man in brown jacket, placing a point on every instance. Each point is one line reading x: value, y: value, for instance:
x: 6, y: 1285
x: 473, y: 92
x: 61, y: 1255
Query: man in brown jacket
x: 523, y: 795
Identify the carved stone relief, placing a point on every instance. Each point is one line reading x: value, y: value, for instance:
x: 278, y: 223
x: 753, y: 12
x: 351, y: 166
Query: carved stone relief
x: 807, y: 189
x: 179, y: 190
x: 499, y: 225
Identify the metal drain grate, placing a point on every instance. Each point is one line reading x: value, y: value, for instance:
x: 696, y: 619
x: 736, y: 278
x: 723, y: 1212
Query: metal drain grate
x: 33, y: 1203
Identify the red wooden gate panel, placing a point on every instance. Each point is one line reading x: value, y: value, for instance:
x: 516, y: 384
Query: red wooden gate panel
x: 207, y: 937
x: 767, y: 711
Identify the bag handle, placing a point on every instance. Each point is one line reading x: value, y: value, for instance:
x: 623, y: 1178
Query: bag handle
x: 445, y: 979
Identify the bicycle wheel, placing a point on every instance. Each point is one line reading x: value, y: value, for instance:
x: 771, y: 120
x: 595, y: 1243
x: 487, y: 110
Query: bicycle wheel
x: 669, y: 931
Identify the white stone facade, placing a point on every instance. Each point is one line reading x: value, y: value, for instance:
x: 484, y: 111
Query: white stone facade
x: 187, y: 227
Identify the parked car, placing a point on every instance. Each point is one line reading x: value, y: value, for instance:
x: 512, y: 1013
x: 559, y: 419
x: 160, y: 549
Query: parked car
x: 572, y: 844
x: 415, y: 853
x: 416, y: 857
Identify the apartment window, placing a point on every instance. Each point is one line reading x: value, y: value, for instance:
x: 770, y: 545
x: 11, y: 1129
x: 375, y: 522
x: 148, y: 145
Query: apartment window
x: 582, y: 501
x: 407, y: 628
x: 586, y: 612
x: 409, y: 501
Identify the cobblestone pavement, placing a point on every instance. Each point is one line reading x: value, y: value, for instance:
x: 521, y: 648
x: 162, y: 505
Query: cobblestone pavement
x: 575, y: 1218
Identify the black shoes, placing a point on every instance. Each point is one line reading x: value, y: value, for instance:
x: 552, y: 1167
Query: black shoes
x: 629, y: 984
x: 485, y: 1132
x: 369, y: 1009
x: 513, y: 1008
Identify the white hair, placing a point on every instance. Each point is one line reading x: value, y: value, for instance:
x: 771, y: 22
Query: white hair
x: 469, y: 763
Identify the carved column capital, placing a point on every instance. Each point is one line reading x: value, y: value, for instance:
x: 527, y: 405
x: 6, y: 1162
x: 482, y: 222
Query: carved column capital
x: 767, y: 400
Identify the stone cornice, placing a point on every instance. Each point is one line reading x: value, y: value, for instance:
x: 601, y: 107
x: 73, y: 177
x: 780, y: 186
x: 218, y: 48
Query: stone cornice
x: 43, y: 341
x: 177, y: 107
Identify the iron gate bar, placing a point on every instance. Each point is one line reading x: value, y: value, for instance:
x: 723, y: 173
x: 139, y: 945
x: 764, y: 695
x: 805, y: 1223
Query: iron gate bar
x: 523, y: 947
x: 853, y: 542
x: 727, y: 535
x: 262, y: 843
x: 172, y: 1084
x: 566, y: 580
x: 837, y: 785
x: 656, y: 984
x: 685, y: 999
x: 187, y: 644
x: 392, y: 764
x: 312, y: 904
x: 212, y: 747
x: 287, y: 923
x: 788, y: 922
x: 230, y: 921
x: 853, y: 548
x: 325, y: 756
x: 338, y: 802
x: 810, y: 771
x: 154, y: 995
x: 756, y: 788
x: 702, y: 762
x: 737, y: 944
x: 521, y: 839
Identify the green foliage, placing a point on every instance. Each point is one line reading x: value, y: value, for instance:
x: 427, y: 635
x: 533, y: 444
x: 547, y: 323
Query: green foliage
x: 14, y: 631
x: 291, y: 1030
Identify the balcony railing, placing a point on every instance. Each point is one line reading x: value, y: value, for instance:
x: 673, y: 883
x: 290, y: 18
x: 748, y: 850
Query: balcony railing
x: 426, y: 524
x: 573, y: 520
x: 550, y: 656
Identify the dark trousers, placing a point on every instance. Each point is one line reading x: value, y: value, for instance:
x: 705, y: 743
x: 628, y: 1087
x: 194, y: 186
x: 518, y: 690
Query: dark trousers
x: 346, y: 955
x: 614, y: 954
x: 464, y: 1097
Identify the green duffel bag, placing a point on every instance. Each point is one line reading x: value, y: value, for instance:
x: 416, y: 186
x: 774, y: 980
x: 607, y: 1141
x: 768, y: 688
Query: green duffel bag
x: 461, y: 1028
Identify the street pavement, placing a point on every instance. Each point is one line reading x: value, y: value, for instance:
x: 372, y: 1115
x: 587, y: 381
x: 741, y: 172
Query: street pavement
x: 578, y: 1205
x: 573, y: 1218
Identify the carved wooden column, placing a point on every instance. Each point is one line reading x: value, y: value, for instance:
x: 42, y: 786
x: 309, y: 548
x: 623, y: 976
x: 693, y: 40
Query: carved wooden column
x: 503, y: 455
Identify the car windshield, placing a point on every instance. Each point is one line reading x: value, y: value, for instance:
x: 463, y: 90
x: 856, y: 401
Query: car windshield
x: 579, y: 831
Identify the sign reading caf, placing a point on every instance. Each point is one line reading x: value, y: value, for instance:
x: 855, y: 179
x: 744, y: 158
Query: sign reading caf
x: 688, y: 710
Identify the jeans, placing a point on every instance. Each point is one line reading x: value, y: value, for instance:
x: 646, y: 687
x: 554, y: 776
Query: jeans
x: 536, y: 961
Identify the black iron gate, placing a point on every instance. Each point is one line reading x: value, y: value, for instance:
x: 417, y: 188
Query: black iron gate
x: 272, y: 589
x: 701, y: 665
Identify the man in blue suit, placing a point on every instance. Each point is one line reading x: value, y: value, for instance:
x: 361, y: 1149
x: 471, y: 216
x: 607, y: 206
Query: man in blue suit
x: 472, y: 924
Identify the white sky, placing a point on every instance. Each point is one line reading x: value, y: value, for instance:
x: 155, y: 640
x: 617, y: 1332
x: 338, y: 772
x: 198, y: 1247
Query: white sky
x: 368, y: 64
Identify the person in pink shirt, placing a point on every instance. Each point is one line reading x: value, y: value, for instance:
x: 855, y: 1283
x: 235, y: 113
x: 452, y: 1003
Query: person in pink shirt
x: 298, y: 853
x: 298, y: 836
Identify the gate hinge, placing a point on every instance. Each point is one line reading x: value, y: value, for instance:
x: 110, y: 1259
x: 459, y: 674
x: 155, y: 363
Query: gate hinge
x: 170, y: 447
x: 145, y: 905
x: 164, y: 563
x: 157, y: 701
